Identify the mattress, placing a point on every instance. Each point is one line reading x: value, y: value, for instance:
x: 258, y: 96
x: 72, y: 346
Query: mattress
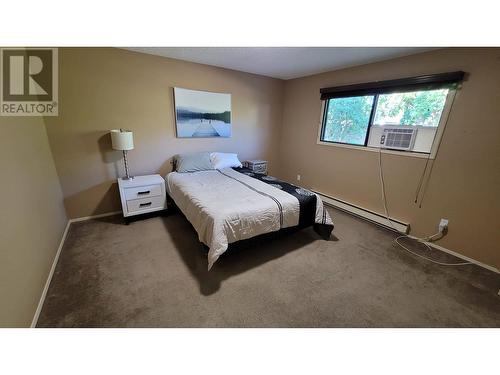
x: 233, y: 204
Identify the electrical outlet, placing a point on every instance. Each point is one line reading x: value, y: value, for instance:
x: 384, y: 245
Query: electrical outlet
x: 443, y: 226
x: 298, y: 177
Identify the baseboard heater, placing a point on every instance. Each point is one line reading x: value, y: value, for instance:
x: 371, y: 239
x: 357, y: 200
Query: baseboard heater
x: 365, y: 214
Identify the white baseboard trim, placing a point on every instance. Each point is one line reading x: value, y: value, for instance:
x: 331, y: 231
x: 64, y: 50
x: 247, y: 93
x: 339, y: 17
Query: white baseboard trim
x: 84, y: 218
x: 458, y: 255
x: 382, y: 221
x: 56, y: 258
x: 49, y: 278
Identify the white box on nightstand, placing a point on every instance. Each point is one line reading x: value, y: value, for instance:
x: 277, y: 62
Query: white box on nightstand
x: 142, y: 194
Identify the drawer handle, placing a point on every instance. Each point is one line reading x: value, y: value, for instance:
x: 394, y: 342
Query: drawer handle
x: 143, y: 192
x: 145, y: 204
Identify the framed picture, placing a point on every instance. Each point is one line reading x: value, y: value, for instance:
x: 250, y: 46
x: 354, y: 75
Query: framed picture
x: 201, y: 114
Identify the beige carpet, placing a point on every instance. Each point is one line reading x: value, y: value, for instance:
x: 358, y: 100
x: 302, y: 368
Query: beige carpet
x: 152, y: 273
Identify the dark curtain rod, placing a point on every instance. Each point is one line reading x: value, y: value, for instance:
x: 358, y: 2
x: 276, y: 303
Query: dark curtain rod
x: 426, y: 82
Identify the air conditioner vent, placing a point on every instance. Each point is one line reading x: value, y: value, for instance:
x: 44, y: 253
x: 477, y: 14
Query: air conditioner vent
x: 400, y: 138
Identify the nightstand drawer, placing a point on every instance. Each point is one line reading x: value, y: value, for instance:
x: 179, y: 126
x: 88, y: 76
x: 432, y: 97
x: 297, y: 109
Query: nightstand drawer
x: 143, y: 192
x: 145, y: 204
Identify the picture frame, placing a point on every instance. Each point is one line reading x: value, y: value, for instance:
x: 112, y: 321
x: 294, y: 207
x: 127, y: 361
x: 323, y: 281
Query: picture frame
x: 202, y: 114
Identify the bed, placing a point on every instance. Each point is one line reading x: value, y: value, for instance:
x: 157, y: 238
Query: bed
x: 232, y: 204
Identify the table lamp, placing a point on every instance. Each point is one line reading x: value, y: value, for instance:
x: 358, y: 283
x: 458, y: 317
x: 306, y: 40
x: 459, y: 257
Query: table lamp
x: 123, y: 140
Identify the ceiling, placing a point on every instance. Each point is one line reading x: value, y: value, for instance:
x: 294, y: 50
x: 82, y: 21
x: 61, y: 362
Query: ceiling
x: 282, y: 62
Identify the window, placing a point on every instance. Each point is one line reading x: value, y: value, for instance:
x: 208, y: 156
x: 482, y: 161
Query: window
x: 346, y: 120
x: 402, y: 115
x: 416, y: 108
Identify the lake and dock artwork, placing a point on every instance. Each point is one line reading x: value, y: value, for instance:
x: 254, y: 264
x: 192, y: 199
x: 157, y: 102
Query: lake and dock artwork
x: 200, y: 114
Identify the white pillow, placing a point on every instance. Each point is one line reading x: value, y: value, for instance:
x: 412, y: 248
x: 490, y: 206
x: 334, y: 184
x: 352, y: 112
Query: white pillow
x: 221, y: 160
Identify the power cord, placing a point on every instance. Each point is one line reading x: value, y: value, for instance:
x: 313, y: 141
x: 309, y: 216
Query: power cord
x: 423, y: 241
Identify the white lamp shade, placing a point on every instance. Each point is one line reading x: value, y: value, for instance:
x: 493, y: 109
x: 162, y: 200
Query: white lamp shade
x: 122, y: 140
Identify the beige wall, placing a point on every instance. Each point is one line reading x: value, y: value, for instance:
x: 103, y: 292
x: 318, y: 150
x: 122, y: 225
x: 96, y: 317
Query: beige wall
x: 107, y: 88
x: 32, y: 219
x: 465, y: 182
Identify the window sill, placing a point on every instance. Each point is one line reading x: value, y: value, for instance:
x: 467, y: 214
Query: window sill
x: 376, y: 149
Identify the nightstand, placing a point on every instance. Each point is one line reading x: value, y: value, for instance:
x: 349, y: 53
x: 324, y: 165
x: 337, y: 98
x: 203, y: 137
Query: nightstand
x: 257, y: 166
x: 142, y: 194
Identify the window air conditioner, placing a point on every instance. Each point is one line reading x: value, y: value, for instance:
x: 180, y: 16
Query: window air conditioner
x: 398, y: 138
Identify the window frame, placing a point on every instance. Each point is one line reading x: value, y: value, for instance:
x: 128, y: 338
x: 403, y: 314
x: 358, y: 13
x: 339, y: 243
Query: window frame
x: 427, y: 155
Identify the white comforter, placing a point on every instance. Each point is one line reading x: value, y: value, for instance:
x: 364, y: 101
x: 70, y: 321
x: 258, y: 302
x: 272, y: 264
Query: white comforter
x: 227, y: 206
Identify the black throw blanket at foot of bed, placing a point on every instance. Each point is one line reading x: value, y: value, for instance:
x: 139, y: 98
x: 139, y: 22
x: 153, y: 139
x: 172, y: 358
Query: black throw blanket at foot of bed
x: 306, y: 198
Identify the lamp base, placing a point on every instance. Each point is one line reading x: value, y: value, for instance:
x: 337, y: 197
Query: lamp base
x: 127, y: 176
